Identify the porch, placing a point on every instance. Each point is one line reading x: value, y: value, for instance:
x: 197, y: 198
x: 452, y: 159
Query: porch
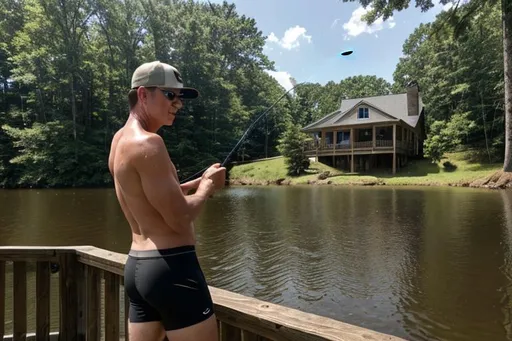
x: 397, y: 141
x: 76, y: 293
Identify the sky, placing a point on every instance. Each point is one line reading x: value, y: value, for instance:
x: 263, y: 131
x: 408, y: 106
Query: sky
x: 305, y: 38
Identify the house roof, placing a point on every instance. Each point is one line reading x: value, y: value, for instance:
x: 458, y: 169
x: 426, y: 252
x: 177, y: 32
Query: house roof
x: 394, y: 106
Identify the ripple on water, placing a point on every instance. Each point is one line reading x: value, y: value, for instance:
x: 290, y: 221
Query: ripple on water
x: 424, y: 264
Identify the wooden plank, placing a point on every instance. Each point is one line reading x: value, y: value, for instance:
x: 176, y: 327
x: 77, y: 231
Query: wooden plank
x: 126, y: 317
x: 106, y: 260
x: 93, y: 304
x: 20, y: 301
x: 32, y: 253
x: 81, y: 283
x: 68, y: 297
x: 112, y: 282
x: 229, y: 332
x: 2, y: 299
x: 54, y: 336
x: 281, y: 323
x: 43, y: 301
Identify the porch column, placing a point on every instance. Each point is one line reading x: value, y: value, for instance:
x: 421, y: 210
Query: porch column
x: 373, y: 136
x: 352, y: 150
x: 394, y: 148
x: 416, y: 144
x: 334, y: 148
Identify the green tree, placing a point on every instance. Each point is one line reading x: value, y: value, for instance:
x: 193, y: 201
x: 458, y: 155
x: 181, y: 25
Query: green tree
x: 460, y: 74
x: 447, y: 136
x: 71, y: 63
x: 291, y: 146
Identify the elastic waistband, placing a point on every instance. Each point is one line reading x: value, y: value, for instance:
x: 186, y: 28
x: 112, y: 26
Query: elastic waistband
x: 175, y: 251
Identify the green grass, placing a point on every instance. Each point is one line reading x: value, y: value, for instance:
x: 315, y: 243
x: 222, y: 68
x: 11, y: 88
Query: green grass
x: 422, y: 172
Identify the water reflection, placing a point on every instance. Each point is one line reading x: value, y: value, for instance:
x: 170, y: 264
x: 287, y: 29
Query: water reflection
x: 421, y: 263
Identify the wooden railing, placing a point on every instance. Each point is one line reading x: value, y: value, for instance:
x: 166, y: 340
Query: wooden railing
x: 347, y: 146
x: 85, y: 285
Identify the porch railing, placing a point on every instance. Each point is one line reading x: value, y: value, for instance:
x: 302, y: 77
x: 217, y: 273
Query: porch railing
x: 346, y: 145
x: 85, y: 285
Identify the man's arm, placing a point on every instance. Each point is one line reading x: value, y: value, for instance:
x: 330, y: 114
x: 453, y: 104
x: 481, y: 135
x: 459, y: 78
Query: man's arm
x: 190, y: 185
x: 162, y: 189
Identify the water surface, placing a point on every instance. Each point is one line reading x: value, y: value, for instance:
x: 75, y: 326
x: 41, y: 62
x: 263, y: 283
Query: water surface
x: 420, y: 263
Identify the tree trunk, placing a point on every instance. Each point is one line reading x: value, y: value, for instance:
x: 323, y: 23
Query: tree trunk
x: 506, y: 6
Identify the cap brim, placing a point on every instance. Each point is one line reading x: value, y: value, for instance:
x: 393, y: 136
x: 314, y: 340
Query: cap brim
x: 189, y: 93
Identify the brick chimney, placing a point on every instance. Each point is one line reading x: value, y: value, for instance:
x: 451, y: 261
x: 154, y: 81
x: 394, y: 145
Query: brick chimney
x: 413, y: 100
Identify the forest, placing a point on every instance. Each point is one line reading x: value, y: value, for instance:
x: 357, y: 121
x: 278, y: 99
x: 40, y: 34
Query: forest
x: 65, y: 71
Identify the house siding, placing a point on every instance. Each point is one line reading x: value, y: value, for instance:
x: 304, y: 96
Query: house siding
x: 375, y: 116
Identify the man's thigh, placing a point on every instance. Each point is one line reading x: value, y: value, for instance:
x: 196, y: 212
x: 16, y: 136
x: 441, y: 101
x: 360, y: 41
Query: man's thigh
x: 146, y: 331
x: 205, y: 331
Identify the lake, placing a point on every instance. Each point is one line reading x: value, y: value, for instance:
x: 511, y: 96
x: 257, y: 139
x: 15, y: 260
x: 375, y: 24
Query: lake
x: 420, y: 263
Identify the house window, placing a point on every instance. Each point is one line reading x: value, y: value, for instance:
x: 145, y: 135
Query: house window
x: 363, y: 113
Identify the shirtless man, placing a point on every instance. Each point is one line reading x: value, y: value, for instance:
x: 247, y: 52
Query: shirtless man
x: 167, y: 289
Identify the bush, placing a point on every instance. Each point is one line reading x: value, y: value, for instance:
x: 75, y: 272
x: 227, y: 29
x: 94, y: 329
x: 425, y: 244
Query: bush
x: 449, y: 167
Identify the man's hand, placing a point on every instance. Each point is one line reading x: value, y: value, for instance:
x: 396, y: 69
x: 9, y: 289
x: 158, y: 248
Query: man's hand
x: 215, y: 176
x: 190, y: 185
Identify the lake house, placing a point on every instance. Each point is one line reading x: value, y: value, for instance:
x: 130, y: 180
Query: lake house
x: 370, y: 132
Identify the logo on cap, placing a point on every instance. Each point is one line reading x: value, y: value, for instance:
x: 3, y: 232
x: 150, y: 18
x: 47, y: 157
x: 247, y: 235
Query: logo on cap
x: 178, y: 76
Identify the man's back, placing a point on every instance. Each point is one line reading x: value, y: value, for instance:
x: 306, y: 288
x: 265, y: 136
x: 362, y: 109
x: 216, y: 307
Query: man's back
x: 164, y: 282
x: 149, y: 229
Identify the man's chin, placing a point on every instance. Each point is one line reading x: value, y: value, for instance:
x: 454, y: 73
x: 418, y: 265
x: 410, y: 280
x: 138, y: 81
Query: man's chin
x: 170, y: 120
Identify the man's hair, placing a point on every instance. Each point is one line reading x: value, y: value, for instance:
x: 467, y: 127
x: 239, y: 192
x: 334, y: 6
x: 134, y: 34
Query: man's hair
x: 133, y: 98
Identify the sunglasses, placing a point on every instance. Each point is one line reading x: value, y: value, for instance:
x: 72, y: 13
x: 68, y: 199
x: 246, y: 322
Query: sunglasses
x: 170, y: 94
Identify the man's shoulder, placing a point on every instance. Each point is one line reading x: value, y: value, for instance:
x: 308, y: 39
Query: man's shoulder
x: 147, y: 147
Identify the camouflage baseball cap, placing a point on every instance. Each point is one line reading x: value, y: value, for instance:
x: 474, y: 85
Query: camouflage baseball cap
x: 163, y: 76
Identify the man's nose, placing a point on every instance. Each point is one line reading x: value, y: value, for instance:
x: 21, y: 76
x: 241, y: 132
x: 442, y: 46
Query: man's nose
x: 178, y: 103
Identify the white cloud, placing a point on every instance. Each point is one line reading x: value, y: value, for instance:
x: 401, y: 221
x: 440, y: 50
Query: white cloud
x: 356, y: 26
x: 291, y: 38
x: 282, y: 78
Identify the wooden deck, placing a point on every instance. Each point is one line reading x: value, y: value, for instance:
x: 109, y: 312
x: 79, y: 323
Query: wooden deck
x: 359, y: 148
x: 89, y: 283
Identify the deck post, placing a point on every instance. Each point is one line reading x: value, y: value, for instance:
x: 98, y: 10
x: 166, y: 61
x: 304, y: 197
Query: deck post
x: 352, y: 150
x: 394, y: 149
x: 43, y: 301
x: 334, y: 141
x: 19, y: 282
x: 93, y: 303
x: 374, y: 137
x: 2, y: 299
x: 69, y: 300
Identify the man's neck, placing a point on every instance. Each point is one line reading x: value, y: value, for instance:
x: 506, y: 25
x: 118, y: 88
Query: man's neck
x: 143, y: 120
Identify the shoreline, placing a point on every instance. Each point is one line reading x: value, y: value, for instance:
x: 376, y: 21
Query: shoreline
x: 458, y: 169
x: 491, y: 182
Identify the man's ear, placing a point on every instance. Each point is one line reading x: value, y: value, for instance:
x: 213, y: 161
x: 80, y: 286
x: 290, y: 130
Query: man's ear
x: 142, y: 93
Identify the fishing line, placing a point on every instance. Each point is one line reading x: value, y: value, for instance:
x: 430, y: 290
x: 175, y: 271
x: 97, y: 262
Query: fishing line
x: 246, y: 133
x: 223, y: 164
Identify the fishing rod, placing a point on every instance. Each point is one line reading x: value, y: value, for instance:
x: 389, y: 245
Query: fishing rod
x: 246, y: 133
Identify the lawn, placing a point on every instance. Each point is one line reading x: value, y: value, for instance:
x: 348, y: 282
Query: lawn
x: 420, y: 172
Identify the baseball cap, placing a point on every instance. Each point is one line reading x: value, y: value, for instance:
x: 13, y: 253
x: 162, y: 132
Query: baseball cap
x: 161, y: 75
